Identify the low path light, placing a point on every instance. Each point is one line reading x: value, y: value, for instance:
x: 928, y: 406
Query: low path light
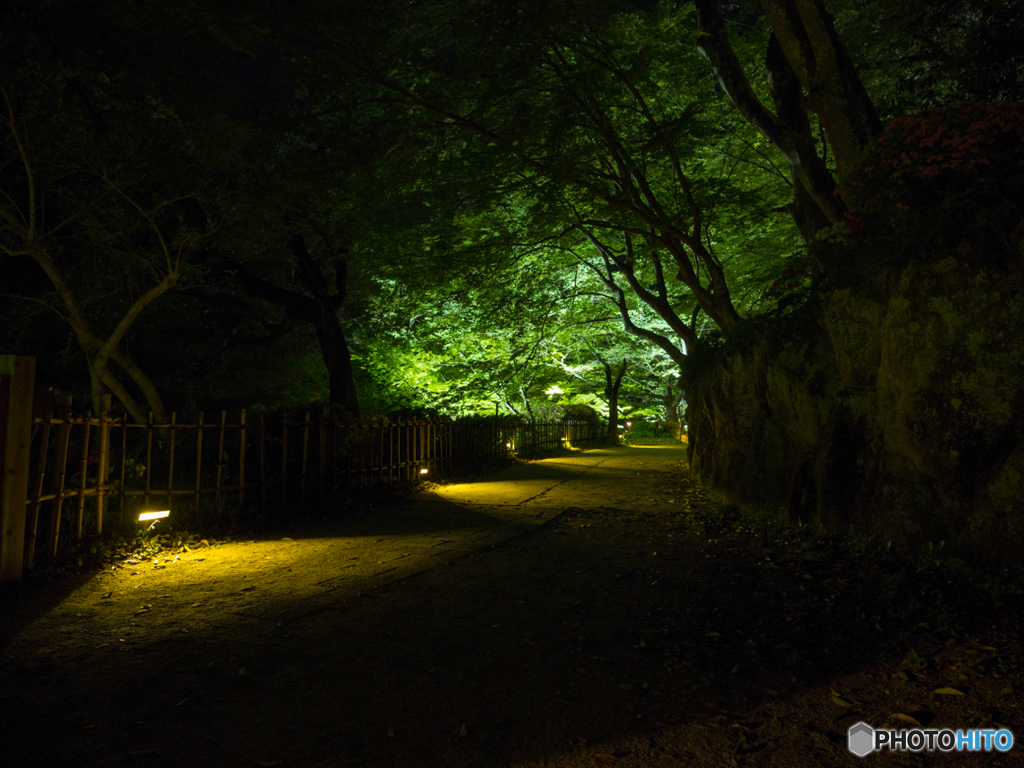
x: 156, y: 517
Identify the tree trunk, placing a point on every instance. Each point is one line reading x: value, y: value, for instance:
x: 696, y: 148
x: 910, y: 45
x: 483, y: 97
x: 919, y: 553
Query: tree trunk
x: 808, y: 70
x: 671, y: 401
x: 612, y: 384
x: 99, y: 351
x: 329, y: 331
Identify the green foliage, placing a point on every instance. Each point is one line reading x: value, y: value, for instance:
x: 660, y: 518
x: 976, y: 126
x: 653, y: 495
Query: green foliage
x: 453, y: 178
x: 913, y: 55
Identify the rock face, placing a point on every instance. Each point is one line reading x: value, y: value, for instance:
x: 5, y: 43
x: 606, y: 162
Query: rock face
x: 897, y: 409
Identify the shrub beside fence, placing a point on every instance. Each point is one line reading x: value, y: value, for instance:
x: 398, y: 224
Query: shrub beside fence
x: 123, y: 468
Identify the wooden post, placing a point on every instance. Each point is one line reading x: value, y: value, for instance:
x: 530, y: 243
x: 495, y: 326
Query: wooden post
x: 62, y: 469
x: 170, y: 464
x: 101, y: 475
x: 305, y: 457
x: 86, y: 428
x: 17, y: 383
x: 334, y: 452
x: 241, y: 459
x: 284, y: 459
x: 124, y: 455
x: 263, y: 465
x: 149, y: 460
x: 431, y: 437
x: 199, y: 463
x: 323, y: 452
x: 44, y: 447
x: 220, y: 459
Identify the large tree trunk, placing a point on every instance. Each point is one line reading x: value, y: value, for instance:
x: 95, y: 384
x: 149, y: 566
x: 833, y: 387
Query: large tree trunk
x: 329, y: 331
x: 808, y: 70
x: 671, y: 401
x: 612, y: 384
x: 806, y: 33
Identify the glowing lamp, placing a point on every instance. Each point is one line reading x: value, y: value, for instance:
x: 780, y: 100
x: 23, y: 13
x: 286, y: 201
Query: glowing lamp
x: 154, y: 515
x: 423, y: 471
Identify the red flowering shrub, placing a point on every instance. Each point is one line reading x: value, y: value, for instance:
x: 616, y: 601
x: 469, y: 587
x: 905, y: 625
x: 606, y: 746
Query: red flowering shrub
x: 942, y: 171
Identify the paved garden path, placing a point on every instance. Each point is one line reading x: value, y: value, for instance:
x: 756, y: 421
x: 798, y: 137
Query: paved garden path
x: 72, y: 649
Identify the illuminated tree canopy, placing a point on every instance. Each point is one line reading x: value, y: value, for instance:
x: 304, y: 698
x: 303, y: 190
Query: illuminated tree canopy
x: 458, y: 207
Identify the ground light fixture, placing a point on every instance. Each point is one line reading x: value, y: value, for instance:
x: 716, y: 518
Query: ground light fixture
x: 423, y: 471
x: 156, y: 517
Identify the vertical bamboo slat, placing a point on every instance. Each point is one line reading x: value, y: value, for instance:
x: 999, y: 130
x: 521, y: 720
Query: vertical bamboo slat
x: 101, y: 471
x: 323, y: 450
x: 263, y: 465
x: 62, y: 468
x: 362, y: 454
x: 86, y: 426
x: 220, y: 459
x: 149, y: 459
x: 170, y: 462
x: 199, y: 462
x: 284, y: 459
x: 334, y: 451
x: 348, y: 442
x: 37, y: 491
x: 241, y: 459
x: 122, y: 481
x: 305, y: 457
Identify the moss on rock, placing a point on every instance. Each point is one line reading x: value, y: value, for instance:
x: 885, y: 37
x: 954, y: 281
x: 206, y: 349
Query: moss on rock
x: 900, y: 414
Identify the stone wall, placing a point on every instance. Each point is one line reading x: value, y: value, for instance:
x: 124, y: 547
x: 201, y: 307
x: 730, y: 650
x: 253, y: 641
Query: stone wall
x: 896, y: 408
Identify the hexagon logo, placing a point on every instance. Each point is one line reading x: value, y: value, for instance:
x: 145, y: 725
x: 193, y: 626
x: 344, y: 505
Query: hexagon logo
x: 861, y: 739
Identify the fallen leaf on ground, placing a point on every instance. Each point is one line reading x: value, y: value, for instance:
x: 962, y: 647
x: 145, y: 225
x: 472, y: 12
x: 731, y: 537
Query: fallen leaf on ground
x: 905, y: 718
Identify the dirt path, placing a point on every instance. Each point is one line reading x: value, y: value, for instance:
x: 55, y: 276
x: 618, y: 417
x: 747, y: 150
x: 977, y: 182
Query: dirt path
x: 561, y: 613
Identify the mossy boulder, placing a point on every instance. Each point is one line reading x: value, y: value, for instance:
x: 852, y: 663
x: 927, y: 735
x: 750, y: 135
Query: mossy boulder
x: 896, y: 408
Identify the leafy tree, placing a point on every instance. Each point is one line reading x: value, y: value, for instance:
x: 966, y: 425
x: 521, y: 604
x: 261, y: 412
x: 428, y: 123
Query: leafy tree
x: 84, y: 191
x: 915, y: 55
x: 577, y: 107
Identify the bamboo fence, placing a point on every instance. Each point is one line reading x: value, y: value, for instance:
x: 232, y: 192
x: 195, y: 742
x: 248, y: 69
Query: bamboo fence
x: 274, y: 461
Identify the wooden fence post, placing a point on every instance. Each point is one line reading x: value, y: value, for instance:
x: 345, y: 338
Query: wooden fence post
x: 305, y: 457
x: 83, y: 469
x: 199, y: 463
x: 149, y: 460
x: 17, y: 380
x: 62, y: 469
x: 241, y: 459
x: 324, y: 413
x: 123, y: 481
x: 44, y: 447
x: 101, y: 477
x: 284, y: 459
x: 170, y: 463
x: 221, y: 462
x: 263, y: 465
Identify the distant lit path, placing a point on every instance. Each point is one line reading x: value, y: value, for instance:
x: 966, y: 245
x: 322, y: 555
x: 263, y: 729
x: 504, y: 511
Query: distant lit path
x: 608, y: 477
